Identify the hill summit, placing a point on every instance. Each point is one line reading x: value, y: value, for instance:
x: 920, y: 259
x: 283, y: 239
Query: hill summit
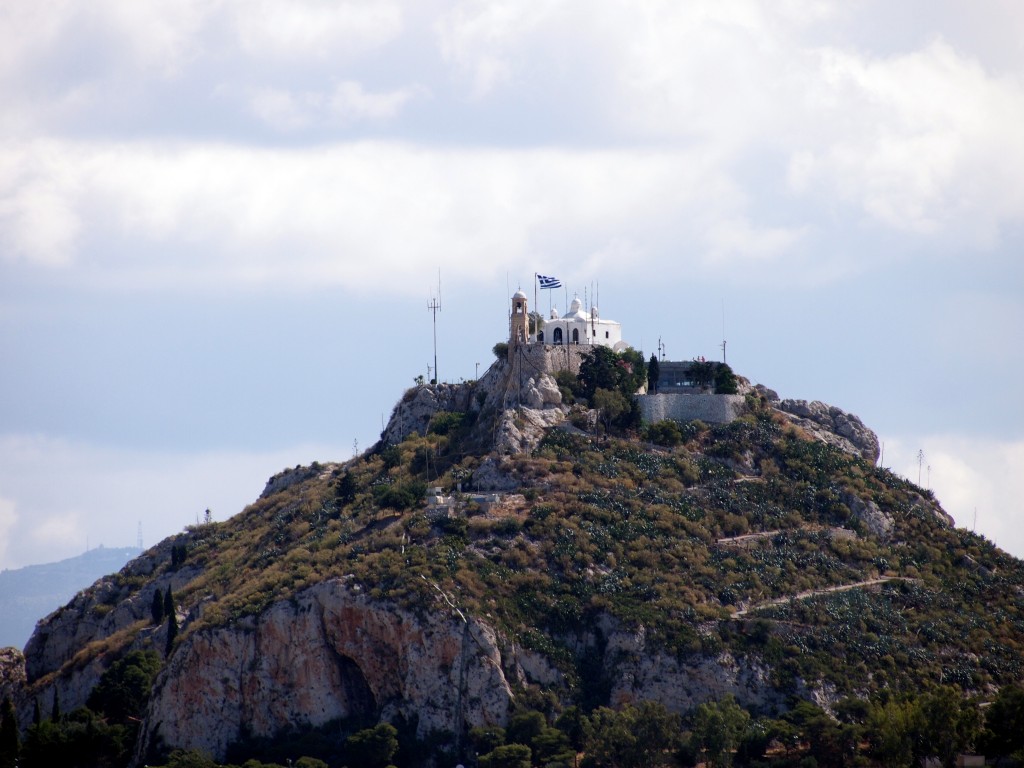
x: 528, y: 543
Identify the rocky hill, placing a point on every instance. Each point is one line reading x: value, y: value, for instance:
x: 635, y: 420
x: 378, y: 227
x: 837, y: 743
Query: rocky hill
x: 567, y: 558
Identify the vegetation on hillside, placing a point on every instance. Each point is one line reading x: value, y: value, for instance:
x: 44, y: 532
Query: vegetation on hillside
x: 749, y: 539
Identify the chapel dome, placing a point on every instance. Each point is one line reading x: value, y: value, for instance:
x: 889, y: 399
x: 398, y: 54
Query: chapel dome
x: 519, y: 294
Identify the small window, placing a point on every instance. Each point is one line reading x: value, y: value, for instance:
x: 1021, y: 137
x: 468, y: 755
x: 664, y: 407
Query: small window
x: 606, y: 334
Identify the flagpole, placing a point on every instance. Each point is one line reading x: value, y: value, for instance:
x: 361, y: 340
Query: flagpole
x: 536, y: 329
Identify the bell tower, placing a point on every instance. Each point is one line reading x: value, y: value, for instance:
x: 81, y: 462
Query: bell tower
x: 519, y: 322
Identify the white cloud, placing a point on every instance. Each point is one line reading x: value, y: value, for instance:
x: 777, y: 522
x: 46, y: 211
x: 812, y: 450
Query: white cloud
x: 8, y: 520
x: 368, y: 213
x: 923, y: 141
x: 70, y: 493
x: 969, y: 474
x: 348, y: 102
x: 311, y: 29
x: 484, y: 40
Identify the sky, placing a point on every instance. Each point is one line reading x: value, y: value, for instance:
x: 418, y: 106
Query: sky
x: 221, y: 223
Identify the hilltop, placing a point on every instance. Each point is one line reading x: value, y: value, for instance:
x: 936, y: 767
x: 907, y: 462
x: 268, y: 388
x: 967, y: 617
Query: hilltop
x: 507, y: 547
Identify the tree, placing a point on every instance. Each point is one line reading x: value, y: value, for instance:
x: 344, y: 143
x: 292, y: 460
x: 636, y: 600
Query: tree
x: 55, y: 709
x: 172, y: 620
x: 717, y: 729
x: 602, y: 368
x: 507, y: 756
x: 486, y: 738
x: 829, y: 742
x: 123, y: 690
x: 643, y: 735
x: 10, y: 742
x: 725, y: 380
x: 949, y: 725
x: 611, y: 405
x: 372, y: 747
x: 524, y: 726
x: 551, y: 746
x: 653, y: 374
x: 890, y: 732
x: 157, y: 607
x: 1004, y: 723
x: 536, y: 322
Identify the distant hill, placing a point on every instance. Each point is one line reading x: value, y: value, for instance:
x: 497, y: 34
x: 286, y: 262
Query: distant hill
x: 29, y: 594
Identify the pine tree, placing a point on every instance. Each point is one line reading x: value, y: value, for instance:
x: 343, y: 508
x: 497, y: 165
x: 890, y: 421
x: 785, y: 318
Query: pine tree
x: 157, y: 608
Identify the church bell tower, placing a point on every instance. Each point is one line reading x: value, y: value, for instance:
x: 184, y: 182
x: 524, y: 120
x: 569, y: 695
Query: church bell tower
x: 519, y: 322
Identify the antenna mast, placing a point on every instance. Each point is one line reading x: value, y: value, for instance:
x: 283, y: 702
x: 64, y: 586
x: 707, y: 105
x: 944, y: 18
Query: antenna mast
x: 434, y: 305
x: 723, y: 331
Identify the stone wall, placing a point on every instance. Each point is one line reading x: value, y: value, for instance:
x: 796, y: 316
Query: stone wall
x: 714, y: 409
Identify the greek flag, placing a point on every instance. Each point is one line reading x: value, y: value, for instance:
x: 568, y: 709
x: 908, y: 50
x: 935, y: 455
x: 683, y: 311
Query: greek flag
x: 549, y: 282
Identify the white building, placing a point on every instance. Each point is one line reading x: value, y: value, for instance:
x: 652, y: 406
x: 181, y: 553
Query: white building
x: 577, y: 326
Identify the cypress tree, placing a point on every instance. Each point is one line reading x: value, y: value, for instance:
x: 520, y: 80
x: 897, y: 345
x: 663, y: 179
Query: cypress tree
x: 55, y: 710
x: 653, y: 374
x: 37, y: 714
x: 10, y: 743
x: 157, y: 608
x: 172, y: 621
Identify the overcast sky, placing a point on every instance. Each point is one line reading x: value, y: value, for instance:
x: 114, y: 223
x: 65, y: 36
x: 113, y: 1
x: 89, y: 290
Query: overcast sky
x: 221, y: 222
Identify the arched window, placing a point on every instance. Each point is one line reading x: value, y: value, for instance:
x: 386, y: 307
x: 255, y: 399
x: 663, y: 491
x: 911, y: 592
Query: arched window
x: 575, y: 335
x: 557, y: 336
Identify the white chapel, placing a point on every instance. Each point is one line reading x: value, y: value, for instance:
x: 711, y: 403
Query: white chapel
x: 575, y: 327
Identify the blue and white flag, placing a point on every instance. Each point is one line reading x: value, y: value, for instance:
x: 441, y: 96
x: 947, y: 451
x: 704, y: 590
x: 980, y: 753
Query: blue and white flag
x: 549, y: 282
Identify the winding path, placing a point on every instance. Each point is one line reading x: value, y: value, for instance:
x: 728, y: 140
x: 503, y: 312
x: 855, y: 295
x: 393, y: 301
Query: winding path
x: 813, y: 592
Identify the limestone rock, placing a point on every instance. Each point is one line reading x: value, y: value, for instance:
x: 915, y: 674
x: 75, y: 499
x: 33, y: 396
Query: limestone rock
x: 551, y: 395
x: 868, y: 512
x: 418, y: 405
x: 519, y: 430
x: 327, y: 653
x: 12, y: 675
x: 493, y: 475
x: 833, y: 426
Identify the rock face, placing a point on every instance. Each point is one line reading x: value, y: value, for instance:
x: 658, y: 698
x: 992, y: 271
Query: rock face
x: 833, y: 426
x: 514, y: 409
x: 876, y: 520
x: 331, y: 652
x: 12, y: 674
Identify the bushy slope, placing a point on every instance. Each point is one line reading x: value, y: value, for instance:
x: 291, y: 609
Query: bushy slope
x: 654, y: 537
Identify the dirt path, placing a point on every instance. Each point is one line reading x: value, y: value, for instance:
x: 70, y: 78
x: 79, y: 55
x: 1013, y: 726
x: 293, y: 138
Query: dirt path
x: 813, y: 592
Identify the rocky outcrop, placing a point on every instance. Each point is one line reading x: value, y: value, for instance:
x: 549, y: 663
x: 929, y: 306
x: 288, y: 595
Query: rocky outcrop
x: 876, y: 520
x: 833, y: 426
x: 418, y: 405
x: 330, y: 652
x: 521, y: 429
x: 12, y: 675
